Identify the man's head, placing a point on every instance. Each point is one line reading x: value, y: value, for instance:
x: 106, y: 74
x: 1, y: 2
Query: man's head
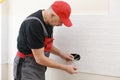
x: 59, y: 14
x: 63, y: 10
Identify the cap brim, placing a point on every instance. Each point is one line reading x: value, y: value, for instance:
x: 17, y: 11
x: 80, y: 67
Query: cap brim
x: 66, y: 22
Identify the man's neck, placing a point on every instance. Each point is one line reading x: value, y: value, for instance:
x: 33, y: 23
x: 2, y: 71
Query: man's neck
x: 44, y: 14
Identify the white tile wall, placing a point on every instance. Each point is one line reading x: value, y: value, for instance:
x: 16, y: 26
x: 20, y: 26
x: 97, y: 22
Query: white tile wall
x: 96, y: 39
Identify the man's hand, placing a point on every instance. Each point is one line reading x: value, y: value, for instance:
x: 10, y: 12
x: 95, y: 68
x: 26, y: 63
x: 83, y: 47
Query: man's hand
x: 67, y: 57
x: 70, y: 69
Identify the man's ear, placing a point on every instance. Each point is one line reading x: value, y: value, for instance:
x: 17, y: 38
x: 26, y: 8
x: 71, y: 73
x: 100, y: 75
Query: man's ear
x: 52, y: 15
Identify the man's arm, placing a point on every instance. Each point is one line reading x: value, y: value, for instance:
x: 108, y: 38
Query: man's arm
x: 43, y: 60
x: 56, y: 51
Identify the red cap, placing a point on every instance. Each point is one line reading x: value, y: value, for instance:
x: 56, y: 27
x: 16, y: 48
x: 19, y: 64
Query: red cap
x: 63, y: 10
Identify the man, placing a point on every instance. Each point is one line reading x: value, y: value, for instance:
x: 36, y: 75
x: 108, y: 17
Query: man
x: 35, y: 40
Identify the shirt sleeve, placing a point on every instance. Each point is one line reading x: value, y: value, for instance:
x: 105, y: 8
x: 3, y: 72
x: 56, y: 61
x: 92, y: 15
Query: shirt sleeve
x: 35, y: 34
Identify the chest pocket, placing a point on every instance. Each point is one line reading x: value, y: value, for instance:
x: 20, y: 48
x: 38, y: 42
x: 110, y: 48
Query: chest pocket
x: 48, y: 43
